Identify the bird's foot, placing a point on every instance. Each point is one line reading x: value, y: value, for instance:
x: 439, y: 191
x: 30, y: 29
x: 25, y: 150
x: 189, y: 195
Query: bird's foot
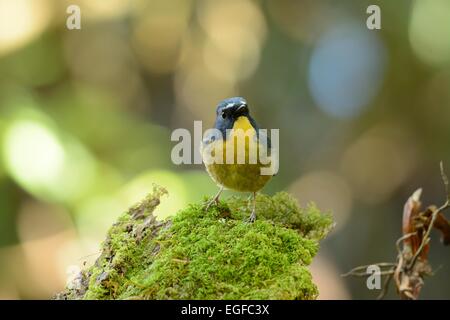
x: 210, y: 203
x: 214, y: 200
x: 252, y: 217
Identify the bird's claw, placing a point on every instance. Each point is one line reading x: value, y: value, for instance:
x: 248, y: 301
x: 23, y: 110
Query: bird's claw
x: 211, y: 202
x: 214, y: 200
x: 252, y: 217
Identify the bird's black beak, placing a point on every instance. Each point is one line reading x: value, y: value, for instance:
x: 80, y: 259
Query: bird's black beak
x: 241, y: 110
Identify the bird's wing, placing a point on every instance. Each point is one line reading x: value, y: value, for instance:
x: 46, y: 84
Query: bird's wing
x: 261, y: 135
x: 210, y: 137
x: 263, y: 139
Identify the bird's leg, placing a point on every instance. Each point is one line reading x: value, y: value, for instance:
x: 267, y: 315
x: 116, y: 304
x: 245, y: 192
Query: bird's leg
x: 252, y: 217
x: 214, y: 200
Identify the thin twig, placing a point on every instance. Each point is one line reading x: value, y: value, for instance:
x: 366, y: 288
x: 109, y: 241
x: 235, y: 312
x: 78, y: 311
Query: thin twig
x: 354, y: 271
x: 400, y: 259
x: 387, y: 281
x: 402, y: 238
x: 365, y: 274
x: 407, y: 276
x: 426, y: 237
x: 445, y: 180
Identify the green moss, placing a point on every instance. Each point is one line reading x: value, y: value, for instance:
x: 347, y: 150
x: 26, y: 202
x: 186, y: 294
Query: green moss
x: 208, y: 255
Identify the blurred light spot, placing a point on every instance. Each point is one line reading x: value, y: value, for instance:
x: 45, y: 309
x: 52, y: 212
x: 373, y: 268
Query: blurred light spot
x: 328, y: 279
x: 38, y: 220
x: 42, y: 162
x: 436, y: 100
x: 91, y: 60
x: 8, y: 291
x: 2, y: 169
x: 95, y: 215
x: 21, y: 21
x: 100, y: 9
x: 31, y: 268
x: 379, y: 162
x: 236, y: 31
x: 230, y: 23
x: 328, y: 190
x: 429, y: 30
x: 38, y: 64
x: 158, y: 33
x: 13, y: 276
x: 33, y: 153
x: 210, y: 67
x: 137, y: 189
x: 42, y: 263
x: 302, y: 20
x: 346, y: 69
x: 231, y: 68
x: 199, y: 90
x: 79, y: 251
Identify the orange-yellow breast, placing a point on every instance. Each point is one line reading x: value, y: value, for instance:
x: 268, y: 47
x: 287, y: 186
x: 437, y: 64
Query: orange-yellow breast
x: 244, y: 176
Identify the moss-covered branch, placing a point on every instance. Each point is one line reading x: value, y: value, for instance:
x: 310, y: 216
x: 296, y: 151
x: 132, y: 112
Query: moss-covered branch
x: 207, y: 255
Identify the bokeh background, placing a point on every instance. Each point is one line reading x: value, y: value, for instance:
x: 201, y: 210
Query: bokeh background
x: 86, y: 117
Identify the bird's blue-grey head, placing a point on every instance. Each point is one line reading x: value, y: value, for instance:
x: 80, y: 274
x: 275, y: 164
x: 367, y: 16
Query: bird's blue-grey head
x: 228, y: 111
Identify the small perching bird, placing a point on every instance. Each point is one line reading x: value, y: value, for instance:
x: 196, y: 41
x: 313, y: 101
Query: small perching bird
x: 236, y: 153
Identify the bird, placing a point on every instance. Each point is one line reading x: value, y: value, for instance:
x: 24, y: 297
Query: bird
x: 233, y: 114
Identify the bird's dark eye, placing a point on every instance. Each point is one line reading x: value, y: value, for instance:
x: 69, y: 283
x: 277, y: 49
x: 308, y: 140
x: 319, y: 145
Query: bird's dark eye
x: 223, y: 115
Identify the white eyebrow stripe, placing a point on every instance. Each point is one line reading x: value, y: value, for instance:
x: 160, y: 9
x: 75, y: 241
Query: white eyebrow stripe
x: 232, y: 104
x: 228, y: 106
